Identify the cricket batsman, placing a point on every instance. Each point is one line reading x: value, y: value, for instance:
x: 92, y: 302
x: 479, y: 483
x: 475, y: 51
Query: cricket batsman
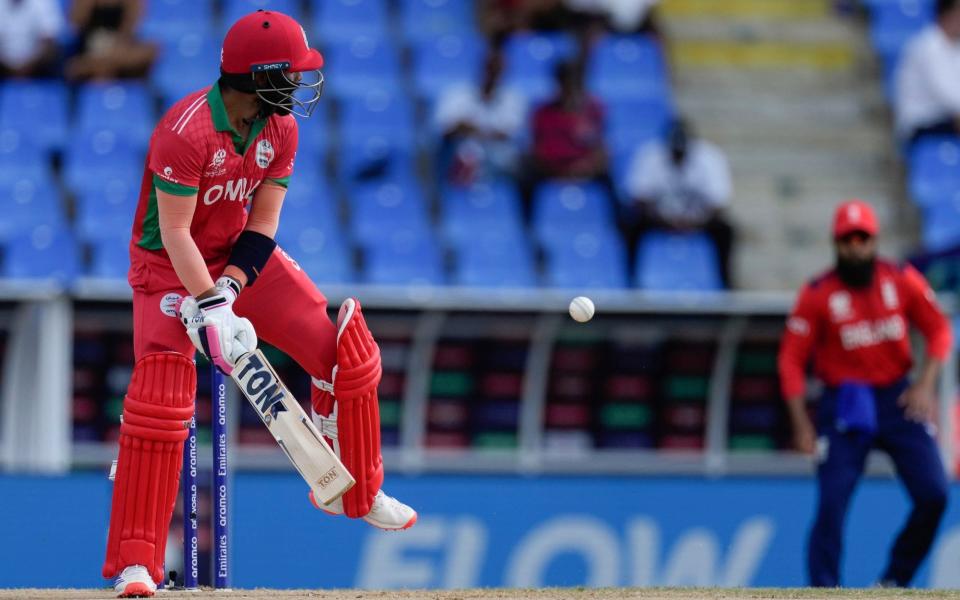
x: 854, y: 320
x: 203, y: 235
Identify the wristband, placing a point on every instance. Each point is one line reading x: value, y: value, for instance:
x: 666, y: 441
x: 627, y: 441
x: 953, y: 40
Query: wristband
x: 250, y: 253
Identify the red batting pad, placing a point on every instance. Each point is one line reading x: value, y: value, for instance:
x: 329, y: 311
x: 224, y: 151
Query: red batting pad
x: 156, y: 417
x: 358, y: 410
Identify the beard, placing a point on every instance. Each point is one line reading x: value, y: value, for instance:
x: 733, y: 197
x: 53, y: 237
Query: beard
x: 274, y: 103
x: 856, y: 273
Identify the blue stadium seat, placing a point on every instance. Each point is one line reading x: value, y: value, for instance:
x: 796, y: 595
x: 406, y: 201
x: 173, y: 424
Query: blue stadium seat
x: 123, y: 108
x: 186, y: 64
x: 530, y: 61
x: 169, y: 20
x: 234, y: 9
x: 320, y: 251
x: 314, y: 134
x: 632, y: 123
x: 941, y: 224
x: 337, y: 21
x: 363, y: 65
x: 403, y: 257
x: 43, y: 252
x: 110, y: 256
x: 308, y: 203
x: 677, y: 262
x: 559, y: 208
x: 107, y: 206
x: 28, y: 200
x: 591, y: 258
x: 374, y: 157
x: 628, y: 67
x: 894, y: 23
x: 424, y: 20
x: 383, y: 207
x: 445, y: 61
x: 101, y: 156
x: 495, y: 257
x: 934, y: 172
x: 20, y: 155
x: 480, y: 207
x: 37, y: 109
x: 378, y: 115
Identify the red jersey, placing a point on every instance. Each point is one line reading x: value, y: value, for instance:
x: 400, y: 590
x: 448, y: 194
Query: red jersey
x: 195, y: 150
x: 562, y: 137
x: 860, y: 334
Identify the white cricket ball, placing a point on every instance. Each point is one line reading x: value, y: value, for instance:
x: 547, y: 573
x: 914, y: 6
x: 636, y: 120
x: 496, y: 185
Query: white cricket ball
x: 581, y: 309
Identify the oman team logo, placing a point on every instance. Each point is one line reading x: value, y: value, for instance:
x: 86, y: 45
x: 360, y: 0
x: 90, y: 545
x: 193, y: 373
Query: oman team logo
x: 264, y: 154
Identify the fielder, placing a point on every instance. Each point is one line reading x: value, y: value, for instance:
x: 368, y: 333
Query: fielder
x: 855, y: 320
x: 216, y: 174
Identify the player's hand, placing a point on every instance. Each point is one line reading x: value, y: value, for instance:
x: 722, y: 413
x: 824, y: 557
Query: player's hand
x: 918, y: 402
x: 215, y: 330
x: 804, y: 435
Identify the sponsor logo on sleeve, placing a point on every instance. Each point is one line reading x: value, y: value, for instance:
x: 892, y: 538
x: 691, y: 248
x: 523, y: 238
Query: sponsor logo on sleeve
x: 168, y: 175
x: 169, y: 304
x: 265, y: 154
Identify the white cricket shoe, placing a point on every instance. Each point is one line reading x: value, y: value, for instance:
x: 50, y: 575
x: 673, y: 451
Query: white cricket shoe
x: 387, y: 512
x: 135, y: 582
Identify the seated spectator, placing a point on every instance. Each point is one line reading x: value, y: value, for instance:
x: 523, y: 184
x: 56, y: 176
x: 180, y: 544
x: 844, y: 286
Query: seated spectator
x: 108, y: 45
x: 928, y: 78
x: 481, y: 127
x: 681, y: 185
x: 568, y: 131
x: 28, y: 37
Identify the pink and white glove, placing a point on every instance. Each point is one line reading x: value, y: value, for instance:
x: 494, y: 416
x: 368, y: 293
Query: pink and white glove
x: 215, y: 330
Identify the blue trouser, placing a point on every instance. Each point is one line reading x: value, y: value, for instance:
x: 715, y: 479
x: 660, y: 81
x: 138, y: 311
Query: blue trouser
x: 917, y: 460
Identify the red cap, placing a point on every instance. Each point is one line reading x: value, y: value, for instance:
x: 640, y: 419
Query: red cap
x: 854, y: 215
x: 266, y: 40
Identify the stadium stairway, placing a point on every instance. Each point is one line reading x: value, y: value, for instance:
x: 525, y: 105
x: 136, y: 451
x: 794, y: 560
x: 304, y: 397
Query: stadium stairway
x: 791, y: 91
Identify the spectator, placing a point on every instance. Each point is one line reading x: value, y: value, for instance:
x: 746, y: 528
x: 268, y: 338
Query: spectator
x: 108, y: 46
x: 481, y: 128
x: 682, y: 185
x: 568, y: 131
x: 28, y: 37
x: 928, y: 79
x: 854, y: 322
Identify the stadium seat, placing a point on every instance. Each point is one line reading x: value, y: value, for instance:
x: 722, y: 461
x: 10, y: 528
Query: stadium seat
x: 934, y: 170
x: 382, y: 207
x: 894, y: 23
x: 627, y: 67
x: 363, y: 65
x: 480, y: 207
x: 403, y: 257
x: 941, y: 224
x: 530, y: 59
x: 36, y: 108
x: 106, y: 206
x: 27, y: 201
x: 123, y: 108
x: 110, y: 256
x: 374, y: 157
x: 495, y: 257
x: 425, y: 20
x: 186, y: 64
x: 632, y: 123
x: 377, y: 114
x: 308, y: 203
x: 21, y: 156
x: 677, y: 262
x: 591, y: 258
x: 169, y: 20
x: 43, y: 252
x: 338, y: 21
x: 442, y: 62
x: 559, y: 208
x: 98, y: 157
x: 320, y: 251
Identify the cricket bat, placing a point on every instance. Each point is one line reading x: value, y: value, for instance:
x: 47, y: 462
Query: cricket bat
x: 316, y: 462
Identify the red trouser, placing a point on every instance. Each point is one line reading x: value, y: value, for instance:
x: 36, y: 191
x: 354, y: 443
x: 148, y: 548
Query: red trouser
x: 286, y: 309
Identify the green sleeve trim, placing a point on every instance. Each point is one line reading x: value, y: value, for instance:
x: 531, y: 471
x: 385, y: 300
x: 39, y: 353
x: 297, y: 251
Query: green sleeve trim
x: 281, y: 181
x: 175, y: 189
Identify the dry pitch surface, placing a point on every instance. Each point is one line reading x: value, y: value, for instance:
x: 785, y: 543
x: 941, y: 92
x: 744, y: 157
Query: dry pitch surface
x: 501, y: 594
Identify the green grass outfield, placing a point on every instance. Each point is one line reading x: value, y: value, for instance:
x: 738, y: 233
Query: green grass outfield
x: 501, y: 594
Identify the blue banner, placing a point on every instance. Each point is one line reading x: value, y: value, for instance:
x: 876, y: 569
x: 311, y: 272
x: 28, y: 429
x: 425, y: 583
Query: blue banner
x: 491, y: 531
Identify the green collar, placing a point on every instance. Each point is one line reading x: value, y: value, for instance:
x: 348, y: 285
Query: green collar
x: 221, y: 122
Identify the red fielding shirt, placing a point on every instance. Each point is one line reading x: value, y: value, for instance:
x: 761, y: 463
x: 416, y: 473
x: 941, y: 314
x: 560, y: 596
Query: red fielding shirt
x: 860, y: 335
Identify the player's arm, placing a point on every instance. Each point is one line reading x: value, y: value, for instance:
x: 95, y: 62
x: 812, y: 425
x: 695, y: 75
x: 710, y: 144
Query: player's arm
x: 923, y: 312
x: 175, y: 214
x: 798, y: 339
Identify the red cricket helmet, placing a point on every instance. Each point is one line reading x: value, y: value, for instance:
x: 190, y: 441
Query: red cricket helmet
x: 274, y: 44
x: 854, y: 216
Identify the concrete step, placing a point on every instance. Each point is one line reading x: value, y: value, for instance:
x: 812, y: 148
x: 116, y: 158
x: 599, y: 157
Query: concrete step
x: 762, y: 55
x: 752, y: 29
x: 768, y: 9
